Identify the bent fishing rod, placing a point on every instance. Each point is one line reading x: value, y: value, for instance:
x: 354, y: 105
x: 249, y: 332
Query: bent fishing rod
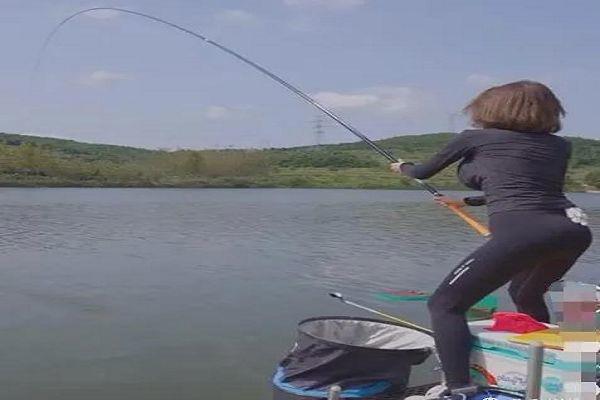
x: 468, y: 218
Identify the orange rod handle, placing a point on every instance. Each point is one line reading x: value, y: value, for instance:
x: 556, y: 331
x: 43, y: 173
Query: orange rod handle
x: 471, y: 220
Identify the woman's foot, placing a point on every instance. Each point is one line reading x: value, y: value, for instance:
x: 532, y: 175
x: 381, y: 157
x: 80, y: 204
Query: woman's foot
x: 440, y: 392
x: 434, y: 393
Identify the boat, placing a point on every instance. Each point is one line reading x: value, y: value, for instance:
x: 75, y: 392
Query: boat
x: 363, y: 358
x: 369, y: 358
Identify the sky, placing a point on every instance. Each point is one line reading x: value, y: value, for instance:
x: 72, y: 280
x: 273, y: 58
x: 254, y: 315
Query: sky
x: 388, y: 67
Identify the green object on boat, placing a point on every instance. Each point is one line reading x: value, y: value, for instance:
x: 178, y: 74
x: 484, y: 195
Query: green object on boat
x: 392, y: 296
x: 402, y: 295
x: 481, y: 310
x: 490, y: 302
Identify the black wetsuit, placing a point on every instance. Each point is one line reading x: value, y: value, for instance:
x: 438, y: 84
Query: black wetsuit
x: 533, y: 244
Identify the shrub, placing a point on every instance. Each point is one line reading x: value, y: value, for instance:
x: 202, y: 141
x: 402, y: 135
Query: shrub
x: 593, y: 179
x: 325, y: 159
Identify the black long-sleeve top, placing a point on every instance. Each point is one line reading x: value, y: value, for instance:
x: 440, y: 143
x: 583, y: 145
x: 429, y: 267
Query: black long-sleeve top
x: 516, y: 171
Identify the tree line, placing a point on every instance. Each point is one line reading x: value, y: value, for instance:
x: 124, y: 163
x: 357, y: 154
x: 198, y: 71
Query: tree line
x: 32, y: 161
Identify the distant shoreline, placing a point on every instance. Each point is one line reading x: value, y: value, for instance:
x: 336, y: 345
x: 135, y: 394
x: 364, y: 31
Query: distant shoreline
x: 40, y: 162
x: 402, y: 188
x: 17, y: 186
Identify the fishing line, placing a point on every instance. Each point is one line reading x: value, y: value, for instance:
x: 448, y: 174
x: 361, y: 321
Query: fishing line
x: 480, y: 228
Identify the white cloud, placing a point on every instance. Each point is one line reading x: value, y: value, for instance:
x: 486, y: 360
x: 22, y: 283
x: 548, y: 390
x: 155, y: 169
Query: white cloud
x: 237, y: 17
x: 101, y: 78
x: 481, y: 81
x: 331, y: 4
x: 221, y: 113
x: 391, y: 100
x: 103, y: 14
x: 345, y: 100
x: 218, y: 112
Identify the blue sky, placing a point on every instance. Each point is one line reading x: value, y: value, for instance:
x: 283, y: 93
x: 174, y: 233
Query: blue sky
x: 389, y: 66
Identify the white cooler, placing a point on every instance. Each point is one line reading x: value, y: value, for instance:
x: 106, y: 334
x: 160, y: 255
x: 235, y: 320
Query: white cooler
x: 495, y: 361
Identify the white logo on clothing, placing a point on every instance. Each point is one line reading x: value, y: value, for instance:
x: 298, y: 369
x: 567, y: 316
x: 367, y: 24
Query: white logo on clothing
x: 577, y: 215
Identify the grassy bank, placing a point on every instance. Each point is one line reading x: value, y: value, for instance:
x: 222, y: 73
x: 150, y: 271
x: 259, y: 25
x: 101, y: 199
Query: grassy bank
x: 31, y: 161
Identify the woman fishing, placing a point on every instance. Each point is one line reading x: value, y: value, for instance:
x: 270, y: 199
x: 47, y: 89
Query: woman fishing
x: 537, y: 233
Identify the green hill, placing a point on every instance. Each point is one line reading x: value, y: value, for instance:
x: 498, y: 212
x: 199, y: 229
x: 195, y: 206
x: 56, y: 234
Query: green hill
x: 86, y: 151
x: 41, y: 161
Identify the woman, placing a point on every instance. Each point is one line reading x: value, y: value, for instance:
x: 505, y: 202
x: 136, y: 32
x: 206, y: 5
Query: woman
x: 537, y: 233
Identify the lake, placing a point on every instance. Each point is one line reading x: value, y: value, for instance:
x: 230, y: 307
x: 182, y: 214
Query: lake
x: 145, y: 294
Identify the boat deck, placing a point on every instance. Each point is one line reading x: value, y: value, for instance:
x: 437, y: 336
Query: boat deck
x: 411, y: 391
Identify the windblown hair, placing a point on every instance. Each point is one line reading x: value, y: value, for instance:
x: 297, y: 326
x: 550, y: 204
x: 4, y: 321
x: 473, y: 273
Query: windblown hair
x: 522, y: 106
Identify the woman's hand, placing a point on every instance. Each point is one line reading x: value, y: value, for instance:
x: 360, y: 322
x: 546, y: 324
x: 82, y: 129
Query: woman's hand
x: 396, y: 167
x: 449, y: 201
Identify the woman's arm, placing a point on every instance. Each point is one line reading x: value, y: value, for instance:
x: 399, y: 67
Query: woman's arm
x: 452, y: 152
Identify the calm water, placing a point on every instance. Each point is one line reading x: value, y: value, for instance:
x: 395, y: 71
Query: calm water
x: 194, y: 294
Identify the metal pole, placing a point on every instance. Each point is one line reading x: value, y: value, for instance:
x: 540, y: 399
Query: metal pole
x: 399, y: 321
x: 534, y: 371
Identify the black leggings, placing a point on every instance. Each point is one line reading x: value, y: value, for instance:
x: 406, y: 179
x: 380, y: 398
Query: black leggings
x: 532, y: 250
